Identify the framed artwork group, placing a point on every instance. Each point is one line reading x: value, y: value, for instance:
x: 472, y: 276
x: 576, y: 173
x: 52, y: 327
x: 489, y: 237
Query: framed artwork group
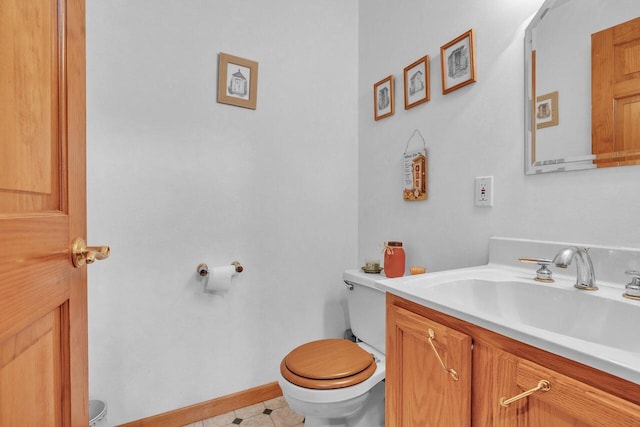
x: 457, y: 66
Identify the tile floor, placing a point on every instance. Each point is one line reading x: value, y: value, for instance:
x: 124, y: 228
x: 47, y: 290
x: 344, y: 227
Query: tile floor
x: 270, y: 413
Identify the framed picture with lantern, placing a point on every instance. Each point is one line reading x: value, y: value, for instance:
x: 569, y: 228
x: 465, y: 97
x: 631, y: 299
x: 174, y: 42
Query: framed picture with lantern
x: 416, y: 83
x: 237, y: 81
x: 458, y: 62
x: 383, y: 98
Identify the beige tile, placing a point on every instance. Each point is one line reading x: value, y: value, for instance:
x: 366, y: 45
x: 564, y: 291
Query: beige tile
x: 261, y: 420
x: 220, y: 420
x: 276, y: 403
x: 254, y: 416
x: 285, y: 417
x: 250, y: 411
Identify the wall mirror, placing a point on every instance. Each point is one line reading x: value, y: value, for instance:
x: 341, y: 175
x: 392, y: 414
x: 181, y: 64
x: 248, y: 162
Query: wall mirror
x: 558, y: 81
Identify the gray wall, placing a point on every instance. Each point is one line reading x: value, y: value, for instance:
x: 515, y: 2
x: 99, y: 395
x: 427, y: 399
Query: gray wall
x: 474, y: 131
x: 175, y: 179
x: 300, y: 189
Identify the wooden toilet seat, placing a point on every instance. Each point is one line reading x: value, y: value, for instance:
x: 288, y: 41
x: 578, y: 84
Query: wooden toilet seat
x: 328, y: 364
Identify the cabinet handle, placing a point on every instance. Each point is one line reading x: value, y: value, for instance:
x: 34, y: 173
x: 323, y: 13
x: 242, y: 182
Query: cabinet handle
x: 543, y: 385
x: 451, y: 371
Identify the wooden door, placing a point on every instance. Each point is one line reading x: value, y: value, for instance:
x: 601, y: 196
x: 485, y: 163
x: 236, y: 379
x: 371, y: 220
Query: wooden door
x: 566, y: 403
x: 419, y: 392
x: 43, y: 320
x: 615, y: 97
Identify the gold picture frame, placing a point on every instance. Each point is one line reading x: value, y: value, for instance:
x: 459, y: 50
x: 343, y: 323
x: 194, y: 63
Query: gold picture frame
x: 458, y: 62
x: 383, y: 100
x: 546, y: 112
x: 237, y: 81
x: 417, y: 83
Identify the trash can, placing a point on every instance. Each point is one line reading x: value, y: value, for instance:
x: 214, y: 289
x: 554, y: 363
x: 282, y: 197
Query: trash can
x: 97, y: 413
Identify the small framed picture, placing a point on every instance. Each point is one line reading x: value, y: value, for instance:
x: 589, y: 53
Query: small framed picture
x: 237, y: 81
x: 383, y: 98
x: 547, y: 110
x: 416, y: 83
x: 458, y: 62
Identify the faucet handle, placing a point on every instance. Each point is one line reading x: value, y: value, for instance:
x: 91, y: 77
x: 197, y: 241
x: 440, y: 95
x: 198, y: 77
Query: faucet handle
x: 635, y: 276
x: 632, y: 290
x: 539, y: 261
x: 543, y: 274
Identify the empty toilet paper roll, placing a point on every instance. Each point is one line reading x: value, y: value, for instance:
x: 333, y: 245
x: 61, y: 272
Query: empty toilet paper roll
x: 219, y: 278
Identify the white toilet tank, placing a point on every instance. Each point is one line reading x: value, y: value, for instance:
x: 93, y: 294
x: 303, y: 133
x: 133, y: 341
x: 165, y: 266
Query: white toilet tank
x: 366, y: 305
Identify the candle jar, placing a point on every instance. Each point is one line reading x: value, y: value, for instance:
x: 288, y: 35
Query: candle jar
x: 394, y: 259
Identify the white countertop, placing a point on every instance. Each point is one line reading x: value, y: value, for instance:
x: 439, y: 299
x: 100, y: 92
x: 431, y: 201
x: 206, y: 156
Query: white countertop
x: 623, y: 362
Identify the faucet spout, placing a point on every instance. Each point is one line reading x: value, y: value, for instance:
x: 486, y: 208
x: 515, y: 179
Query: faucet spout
x: 585, y: 279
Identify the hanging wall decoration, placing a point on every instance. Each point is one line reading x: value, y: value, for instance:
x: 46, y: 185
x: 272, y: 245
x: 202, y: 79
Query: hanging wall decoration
x: 415, y: 170
x: 237, y: 81
x: 383, y: 98
x: 458, y: 62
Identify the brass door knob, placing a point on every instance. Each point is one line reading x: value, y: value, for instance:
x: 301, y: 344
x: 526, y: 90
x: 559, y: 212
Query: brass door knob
x: 82, y: 254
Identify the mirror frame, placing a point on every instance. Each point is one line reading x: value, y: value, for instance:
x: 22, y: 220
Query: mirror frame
x: 533, y: 166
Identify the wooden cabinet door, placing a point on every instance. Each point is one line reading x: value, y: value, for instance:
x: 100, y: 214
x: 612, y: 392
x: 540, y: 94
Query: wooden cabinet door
x: 419, y: 392
x: 567, y: 403
x: 43, y: 322
x: 615, y: 95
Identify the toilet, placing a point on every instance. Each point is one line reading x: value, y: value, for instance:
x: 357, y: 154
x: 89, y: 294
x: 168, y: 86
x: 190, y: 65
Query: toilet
x: 336, y: 382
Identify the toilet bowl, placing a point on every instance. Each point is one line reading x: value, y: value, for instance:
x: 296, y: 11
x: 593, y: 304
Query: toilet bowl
x: 335, y: 382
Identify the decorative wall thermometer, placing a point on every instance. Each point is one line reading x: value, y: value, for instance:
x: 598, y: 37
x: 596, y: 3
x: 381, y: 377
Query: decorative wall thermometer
x: 415, y: 171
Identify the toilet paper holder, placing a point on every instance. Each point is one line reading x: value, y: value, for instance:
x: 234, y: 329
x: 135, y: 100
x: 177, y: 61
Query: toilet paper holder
x: 203, y: 269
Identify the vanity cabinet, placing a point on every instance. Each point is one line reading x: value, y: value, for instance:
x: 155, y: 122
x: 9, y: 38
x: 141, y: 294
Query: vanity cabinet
x: 491, y: 368
x: 567, y: 402
x: 428, y: 372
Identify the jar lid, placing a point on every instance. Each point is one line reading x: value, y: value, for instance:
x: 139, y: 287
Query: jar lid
x: 394, y: 243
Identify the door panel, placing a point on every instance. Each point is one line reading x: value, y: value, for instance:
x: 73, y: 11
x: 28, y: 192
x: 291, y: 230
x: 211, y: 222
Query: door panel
x: 43, y: 330
x: 29, y: 95
x: 32, y: 404
x: 34, y: 270
x: 628, y: 127
x: 615, y: 91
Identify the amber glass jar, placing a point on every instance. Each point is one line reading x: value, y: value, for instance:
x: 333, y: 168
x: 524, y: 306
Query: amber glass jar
x: 393, y: 259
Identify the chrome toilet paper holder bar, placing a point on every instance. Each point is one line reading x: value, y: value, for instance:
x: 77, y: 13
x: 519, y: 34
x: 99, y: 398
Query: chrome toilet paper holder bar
x: 203, y: 269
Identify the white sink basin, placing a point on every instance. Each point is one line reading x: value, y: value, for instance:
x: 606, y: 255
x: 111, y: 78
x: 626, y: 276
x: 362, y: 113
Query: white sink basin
x: 597, y: 328
x: 569, y: 312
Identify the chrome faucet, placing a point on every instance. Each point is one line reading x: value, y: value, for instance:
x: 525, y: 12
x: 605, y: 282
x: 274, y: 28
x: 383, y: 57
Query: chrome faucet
x: 586, y: 279
x: 632, y: 290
